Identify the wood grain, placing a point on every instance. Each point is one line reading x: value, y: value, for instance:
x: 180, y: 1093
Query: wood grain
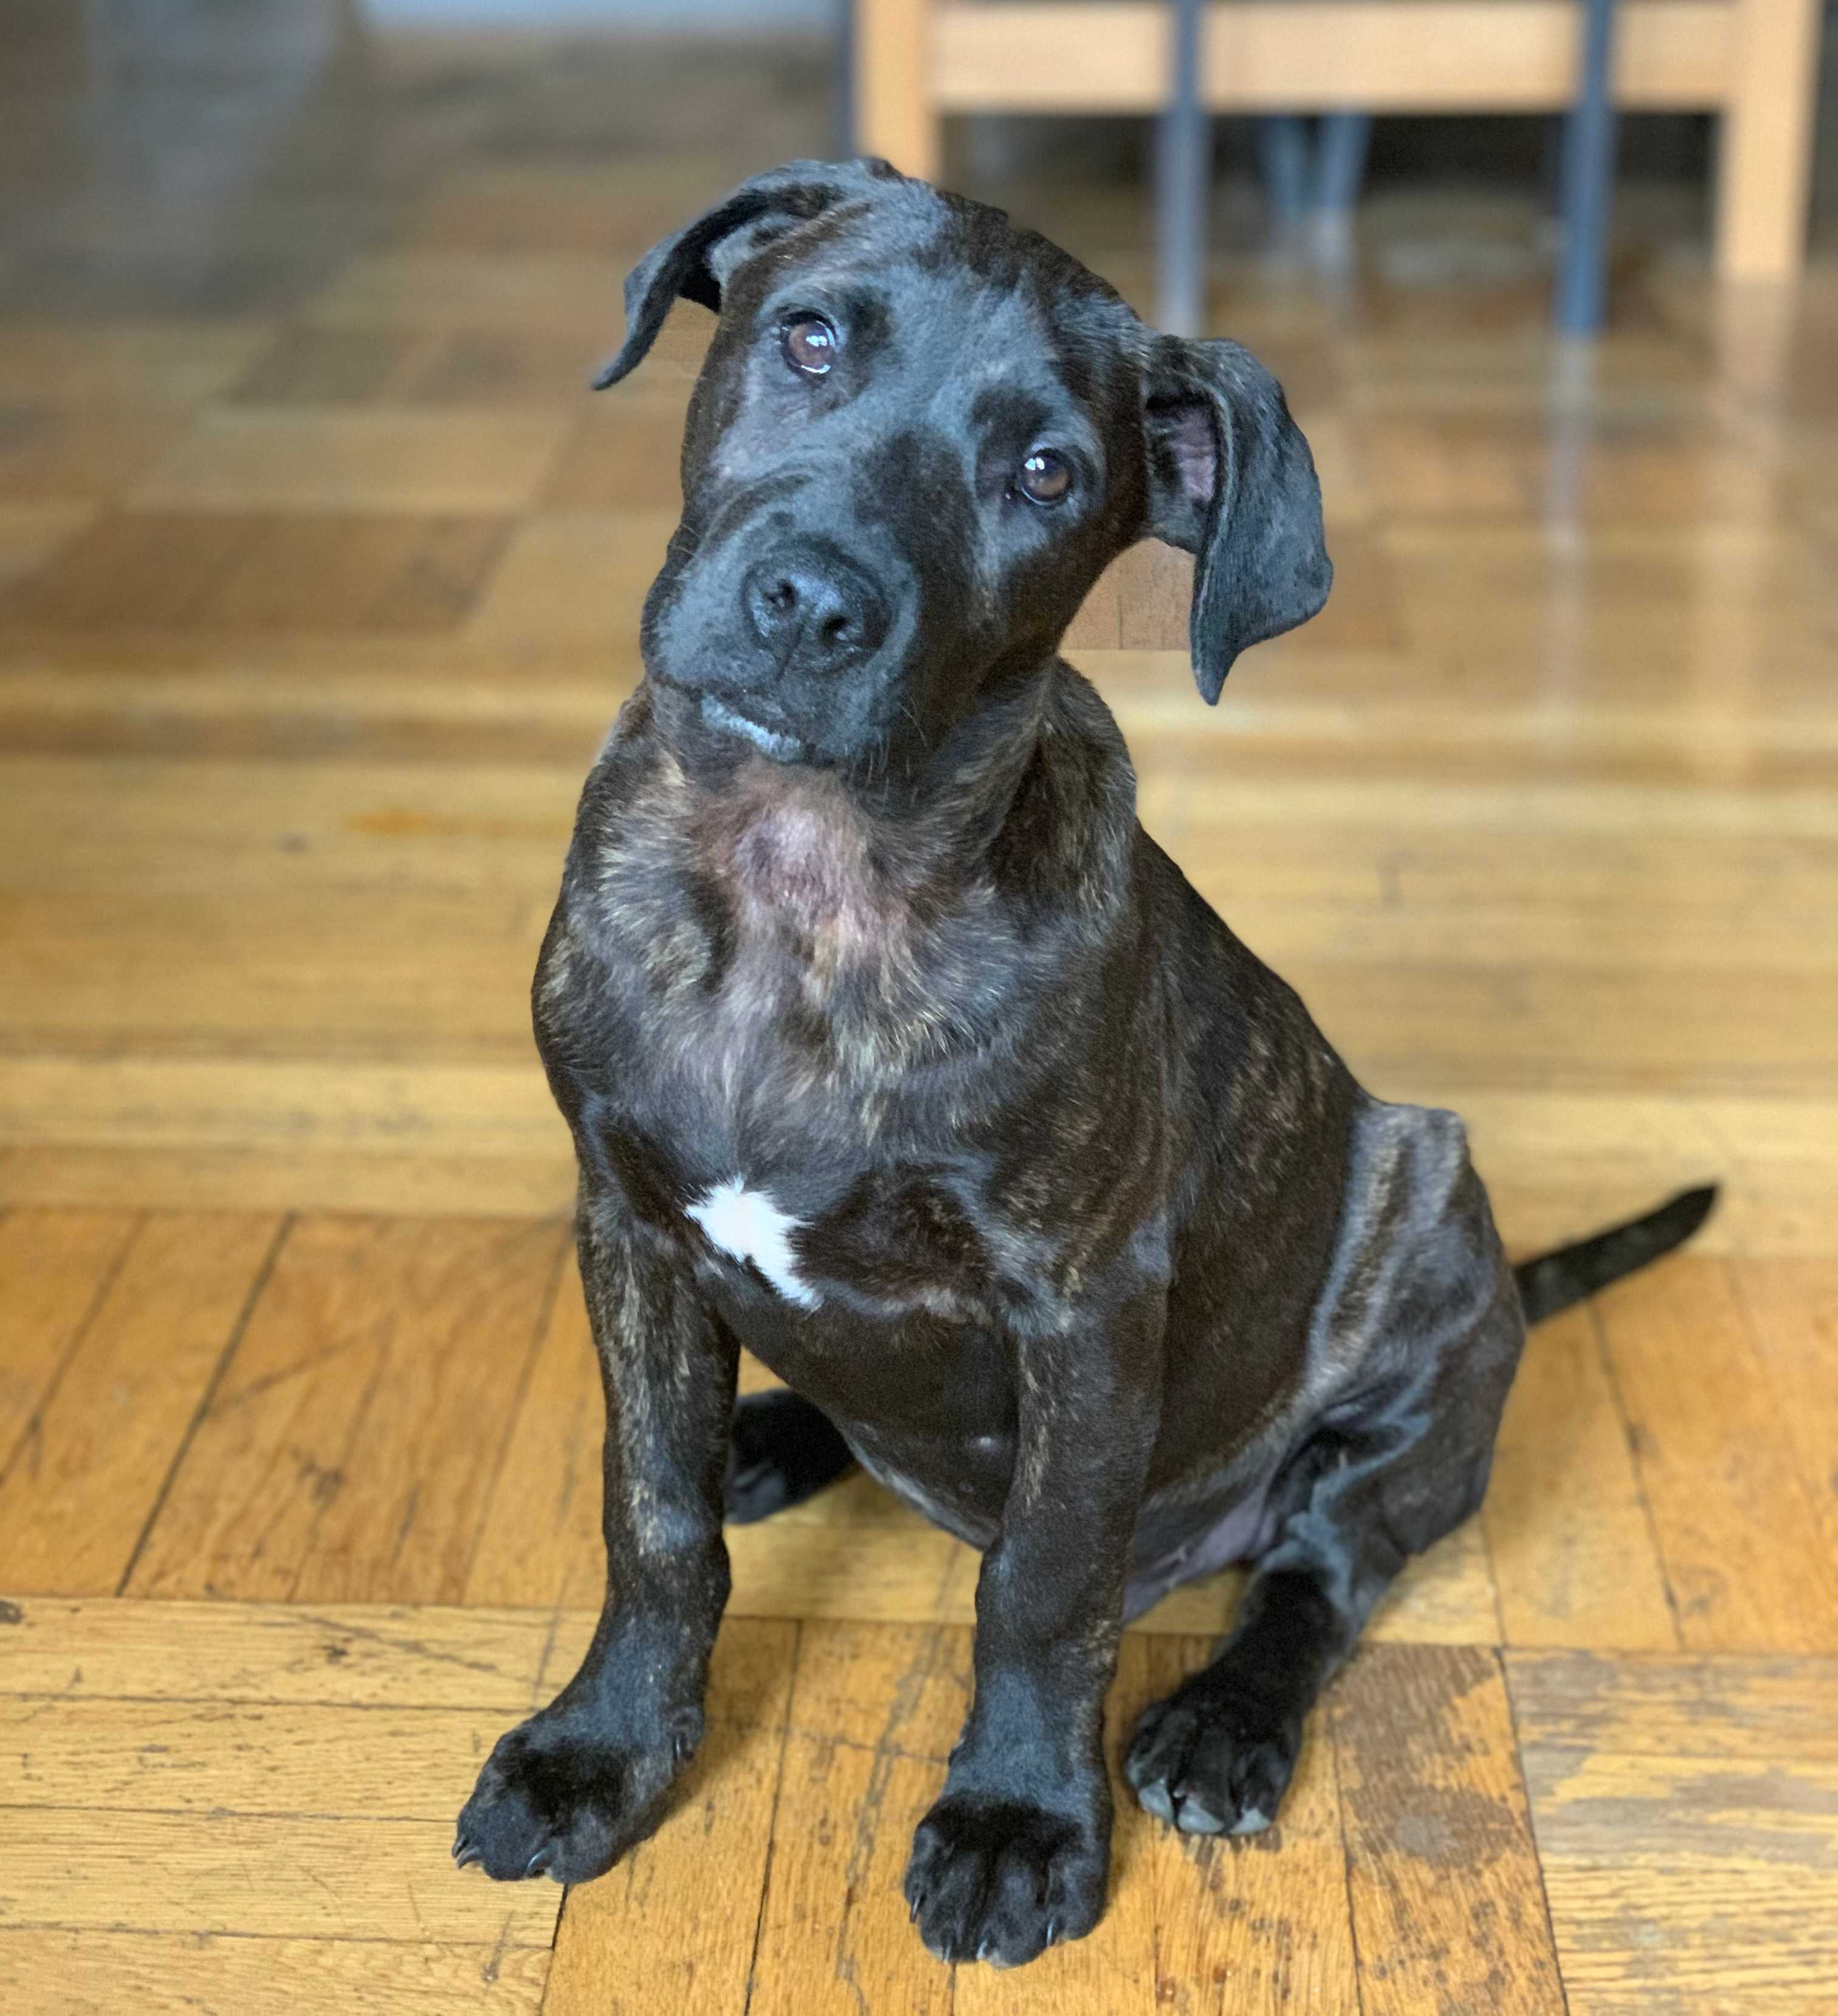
x: 1447, y: 1907
x: 874, y: 1710
x: 387, y: 575
x: 97, y: 1972
x: 1723, y: 1707
x: 207, y: 1757
x: 299, y: 1876
x: 1790, y: 1309
x: 1437, y: 56
x: 540, y: 1543
x: 246, y: 457
x: 1715, y: 1878
x: 365, y: 1656
x: 349, y: 1448
x: 1739, y: 1530
x: 54, y: 1267
x: 1568, y: 1534
x: 77, y: 1497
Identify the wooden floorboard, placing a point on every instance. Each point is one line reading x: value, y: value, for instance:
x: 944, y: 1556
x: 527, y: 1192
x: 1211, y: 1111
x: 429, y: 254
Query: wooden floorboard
x: 1736, y: 1516
x: 93, y: 1464
x: 348, y: 1450
x: 284, y: 1780
x: 320, y: 581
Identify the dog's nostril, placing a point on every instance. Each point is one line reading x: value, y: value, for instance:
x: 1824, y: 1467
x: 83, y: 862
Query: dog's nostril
x: 824, y: 612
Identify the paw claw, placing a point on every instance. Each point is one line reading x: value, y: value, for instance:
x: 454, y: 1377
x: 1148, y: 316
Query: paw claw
x: 556, y: 1797
x: 1205, y: 1761
x: 1000, y: 1880
x: 1153, y: 1797
x: 1194, y: 1815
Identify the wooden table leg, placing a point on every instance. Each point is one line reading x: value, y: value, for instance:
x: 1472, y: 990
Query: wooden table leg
x: 1764, y: 169
x: 894, y: 112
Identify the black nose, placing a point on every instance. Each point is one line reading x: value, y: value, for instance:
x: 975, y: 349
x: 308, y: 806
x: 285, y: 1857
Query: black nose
x: 813, y: 609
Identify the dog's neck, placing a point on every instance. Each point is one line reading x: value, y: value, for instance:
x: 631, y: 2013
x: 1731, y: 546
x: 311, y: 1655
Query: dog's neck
x: 784, y: 889
x: 814, y: 839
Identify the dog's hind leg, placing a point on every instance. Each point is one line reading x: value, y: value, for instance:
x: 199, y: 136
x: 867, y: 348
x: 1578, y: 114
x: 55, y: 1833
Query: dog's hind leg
x: 781, y: 1451
x: 1217, y: 1755
x: 1421, y: 1318
x: 1359, y: 1498
x: 1385, y: 1475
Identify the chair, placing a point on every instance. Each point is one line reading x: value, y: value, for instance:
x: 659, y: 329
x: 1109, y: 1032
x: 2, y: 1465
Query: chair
x: 1752, y: 62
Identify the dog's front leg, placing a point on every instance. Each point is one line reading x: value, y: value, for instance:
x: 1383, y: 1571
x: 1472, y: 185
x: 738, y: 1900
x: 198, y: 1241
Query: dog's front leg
x: 1014, y: 1854
x: 570, y: 1790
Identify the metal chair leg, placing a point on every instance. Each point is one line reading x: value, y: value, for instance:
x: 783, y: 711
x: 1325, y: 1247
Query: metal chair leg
x: 1587, y: 181
x: 1283, y: 150
x: 1183, y: 179
x: 1345, y: 138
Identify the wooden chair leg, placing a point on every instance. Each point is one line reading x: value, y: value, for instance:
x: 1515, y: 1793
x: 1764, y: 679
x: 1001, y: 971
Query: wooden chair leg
x: 1765, y: 166
x: 894, y: 112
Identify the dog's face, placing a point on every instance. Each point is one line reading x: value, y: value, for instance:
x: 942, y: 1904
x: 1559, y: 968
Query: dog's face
x: 919, y: 437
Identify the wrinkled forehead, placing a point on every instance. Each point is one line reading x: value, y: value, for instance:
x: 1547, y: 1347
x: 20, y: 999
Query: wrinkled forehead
x: 951, y: 290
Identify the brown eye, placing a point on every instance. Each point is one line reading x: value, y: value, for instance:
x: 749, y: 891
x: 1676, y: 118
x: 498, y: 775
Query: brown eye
x: 1045, y: 477
x: 810, y: 344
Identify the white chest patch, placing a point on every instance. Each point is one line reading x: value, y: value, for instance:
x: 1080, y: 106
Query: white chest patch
x: 748, y: 1224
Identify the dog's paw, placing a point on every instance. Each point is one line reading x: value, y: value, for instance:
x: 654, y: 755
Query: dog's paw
x: 781, y: 1451
x: 1208, y: 1764
x: 556, y: 1799
x: 1000, y: 1880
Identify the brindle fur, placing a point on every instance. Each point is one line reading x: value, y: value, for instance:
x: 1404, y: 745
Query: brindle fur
x: 1118, y: 1273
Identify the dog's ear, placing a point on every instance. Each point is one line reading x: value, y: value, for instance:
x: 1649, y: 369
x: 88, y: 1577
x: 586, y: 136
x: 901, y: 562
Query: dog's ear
x: 1230, y: 479
x: 694, y: 264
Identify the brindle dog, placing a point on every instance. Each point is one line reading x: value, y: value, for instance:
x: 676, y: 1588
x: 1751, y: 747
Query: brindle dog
x: 896, y: 1051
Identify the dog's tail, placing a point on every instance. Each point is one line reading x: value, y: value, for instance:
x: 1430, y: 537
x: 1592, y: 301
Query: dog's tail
x: 1555, y: 1280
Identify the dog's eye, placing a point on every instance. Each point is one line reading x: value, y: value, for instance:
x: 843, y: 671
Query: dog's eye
x: 1045, y: 477
x: 810, y: 344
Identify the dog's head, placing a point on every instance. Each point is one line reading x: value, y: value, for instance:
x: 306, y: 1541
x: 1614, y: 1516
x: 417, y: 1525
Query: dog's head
x: 919, y: 437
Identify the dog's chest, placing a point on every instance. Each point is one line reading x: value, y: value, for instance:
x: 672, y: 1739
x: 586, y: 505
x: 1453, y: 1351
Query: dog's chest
x: 788, y: 1055
x: 746, y: 1227
x: 889, y: 1242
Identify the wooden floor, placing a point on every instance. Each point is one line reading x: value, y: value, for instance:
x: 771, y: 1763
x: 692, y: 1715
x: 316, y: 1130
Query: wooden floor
x: 318, y: 583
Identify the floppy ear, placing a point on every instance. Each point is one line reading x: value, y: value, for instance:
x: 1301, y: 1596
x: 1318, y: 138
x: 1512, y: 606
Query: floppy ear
x: 695, y: 263
x: 1230, y: 479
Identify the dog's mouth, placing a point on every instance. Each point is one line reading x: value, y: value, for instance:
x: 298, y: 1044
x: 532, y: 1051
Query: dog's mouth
x: 773, y: 742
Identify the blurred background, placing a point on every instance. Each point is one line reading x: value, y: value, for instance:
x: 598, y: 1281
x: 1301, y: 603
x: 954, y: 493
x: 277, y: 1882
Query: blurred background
x: 319, y: 580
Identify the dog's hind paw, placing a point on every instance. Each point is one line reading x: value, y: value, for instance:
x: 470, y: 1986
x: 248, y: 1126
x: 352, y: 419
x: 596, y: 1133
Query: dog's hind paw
x: 781, y: 1451
x: 1208, y: 1764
